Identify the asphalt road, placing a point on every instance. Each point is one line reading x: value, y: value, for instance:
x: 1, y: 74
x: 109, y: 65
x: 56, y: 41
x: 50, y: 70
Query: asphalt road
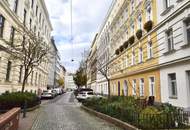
x: 64, y: 113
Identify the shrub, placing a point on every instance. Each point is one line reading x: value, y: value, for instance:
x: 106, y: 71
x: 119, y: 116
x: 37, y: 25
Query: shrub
x: 148, y: 25
x: 17, y: 99
x: 131, y: 40
x: 117, y: 52
x: 139, y: 34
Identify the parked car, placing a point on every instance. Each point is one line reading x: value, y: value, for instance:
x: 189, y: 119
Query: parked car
x: 47, y: 94
x: 77, y: 91
x: 83, y: 95
x: 58, y: 91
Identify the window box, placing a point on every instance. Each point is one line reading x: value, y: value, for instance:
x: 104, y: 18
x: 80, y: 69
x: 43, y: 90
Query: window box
x: 131, y: 40
x: 139, y: 34
x: 148, y: 25
x: 117, y: 52
x: 121, y: 48
x: 126, y: 44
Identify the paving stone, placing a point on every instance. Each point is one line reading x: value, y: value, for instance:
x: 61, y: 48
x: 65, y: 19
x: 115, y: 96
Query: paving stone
x: 65, y: 114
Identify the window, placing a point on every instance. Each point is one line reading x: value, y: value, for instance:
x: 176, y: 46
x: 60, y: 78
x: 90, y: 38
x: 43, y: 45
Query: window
x: 24, y: 21
x: 142, y: 87
x: 20, y: 74
x: 40, y: 17
x: 151, y: 86
x: 12, y: 35
x: 119, y: 89
x: 32, y: 77
x: 140, y: 22
x: 148, y: 13
x: 36, y: 10
x: 126, y: 62
x: 188, y: 79
x: 8, y: 71
x: 167, y: 3
x: 2, y: 20
x: 32, y: 3
x: 132, y: 5
x: 134, y: 87
x: 36, y: 78
x: 170, y: 43
x: 15, y: 6
x: 150, y: 50
x: 140, y: 55
x: 30, y: 24
x: 133, y: 58
x: 132, y: 28
x: 187, y: 24
x: 172, y: 85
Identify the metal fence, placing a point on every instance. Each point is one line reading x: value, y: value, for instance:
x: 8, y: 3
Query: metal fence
x: 179, y: 119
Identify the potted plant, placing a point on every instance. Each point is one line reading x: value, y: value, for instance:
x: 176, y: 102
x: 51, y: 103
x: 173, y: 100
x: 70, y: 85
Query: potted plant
x: 139, y: 34
x: 117, y: 52
x: 126, y: 44
x: 121, y: 48
x: 131, y: 40
x: 148, y: 25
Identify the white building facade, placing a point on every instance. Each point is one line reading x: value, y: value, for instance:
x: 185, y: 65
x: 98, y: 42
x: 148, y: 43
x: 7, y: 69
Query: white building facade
x: 174, y: 47
x: 33, y: 15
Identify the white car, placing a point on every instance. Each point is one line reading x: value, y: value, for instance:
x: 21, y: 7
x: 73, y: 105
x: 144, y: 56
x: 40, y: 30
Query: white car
x: 85, y: 95
x: 47, y: 94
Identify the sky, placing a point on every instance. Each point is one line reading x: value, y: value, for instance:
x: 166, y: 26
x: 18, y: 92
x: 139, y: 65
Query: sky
x: 88, y: 15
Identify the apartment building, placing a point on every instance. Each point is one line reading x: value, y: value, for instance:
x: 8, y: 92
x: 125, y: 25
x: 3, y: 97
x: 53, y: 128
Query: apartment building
x: 92, y: 66
x: 174, y: 51
x: 146, y: 44
x: 33, y: 15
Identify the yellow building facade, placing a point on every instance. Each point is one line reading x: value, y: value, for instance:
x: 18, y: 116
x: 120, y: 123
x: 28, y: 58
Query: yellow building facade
x: 134, y: 68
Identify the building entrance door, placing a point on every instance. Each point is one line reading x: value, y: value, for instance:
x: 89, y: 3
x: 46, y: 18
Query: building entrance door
x: 118, y: 88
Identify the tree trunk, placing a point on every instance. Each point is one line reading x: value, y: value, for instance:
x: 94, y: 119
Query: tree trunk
x: 24, y: 80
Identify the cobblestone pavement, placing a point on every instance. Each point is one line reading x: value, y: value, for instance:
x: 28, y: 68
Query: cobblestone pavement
x: 66, y: 114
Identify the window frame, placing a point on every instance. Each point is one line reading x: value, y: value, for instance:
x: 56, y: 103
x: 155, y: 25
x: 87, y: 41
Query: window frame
x: 170, y: 40
x: 140, y: 55
x: 141, y: 87
x: 8, y: 73
x: 2, y: 24
x: 12, y: 35
x: 15, y: 6
x: 152, y: 86
x: 134, y: 87
x: 170, y: 81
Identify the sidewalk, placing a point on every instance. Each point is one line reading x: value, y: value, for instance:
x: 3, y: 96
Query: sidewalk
x: 27, y: 122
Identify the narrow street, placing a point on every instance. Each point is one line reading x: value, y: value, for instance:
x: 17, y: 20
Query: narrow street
x: 65, y: 113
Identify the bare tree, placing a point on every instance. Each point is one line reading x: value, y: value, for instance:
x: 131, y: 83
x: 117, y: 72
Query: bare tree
x: 29, y: 50
x: 103, y: 68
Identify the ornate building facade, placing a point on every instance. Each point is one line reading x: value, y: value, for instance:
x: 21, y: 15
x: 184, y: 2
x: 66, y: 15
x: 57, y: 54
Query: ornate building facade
x: 147, y: 47
x: 33, y: 15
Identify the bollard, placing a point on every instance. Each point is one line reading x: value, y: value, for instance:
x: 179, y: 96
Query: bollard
x: 24, y: 109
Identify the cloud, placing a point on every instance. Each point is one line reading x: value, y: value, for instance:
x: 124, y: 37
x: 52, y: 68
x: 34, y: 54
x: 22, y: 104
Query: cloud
x: 87, y: 18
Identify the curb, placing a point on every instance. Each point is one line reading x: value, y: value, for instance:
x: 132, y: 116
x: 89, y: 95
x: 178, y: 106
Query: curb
x: 110, y: 119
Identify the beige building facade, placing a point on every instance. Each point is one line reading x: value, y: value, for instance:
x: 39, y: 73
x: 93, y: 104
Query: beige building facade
x: 33, y: 15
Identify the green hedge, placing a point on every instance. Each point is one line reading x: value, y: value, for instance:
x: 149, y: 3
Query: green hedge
x: 127, y: 109
x: 17, y: 99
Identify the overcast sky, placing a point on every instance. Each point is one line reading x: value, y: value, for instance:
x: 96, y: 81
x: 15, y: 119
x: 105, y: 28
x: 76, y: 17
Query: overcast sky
x: 88, y: 16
